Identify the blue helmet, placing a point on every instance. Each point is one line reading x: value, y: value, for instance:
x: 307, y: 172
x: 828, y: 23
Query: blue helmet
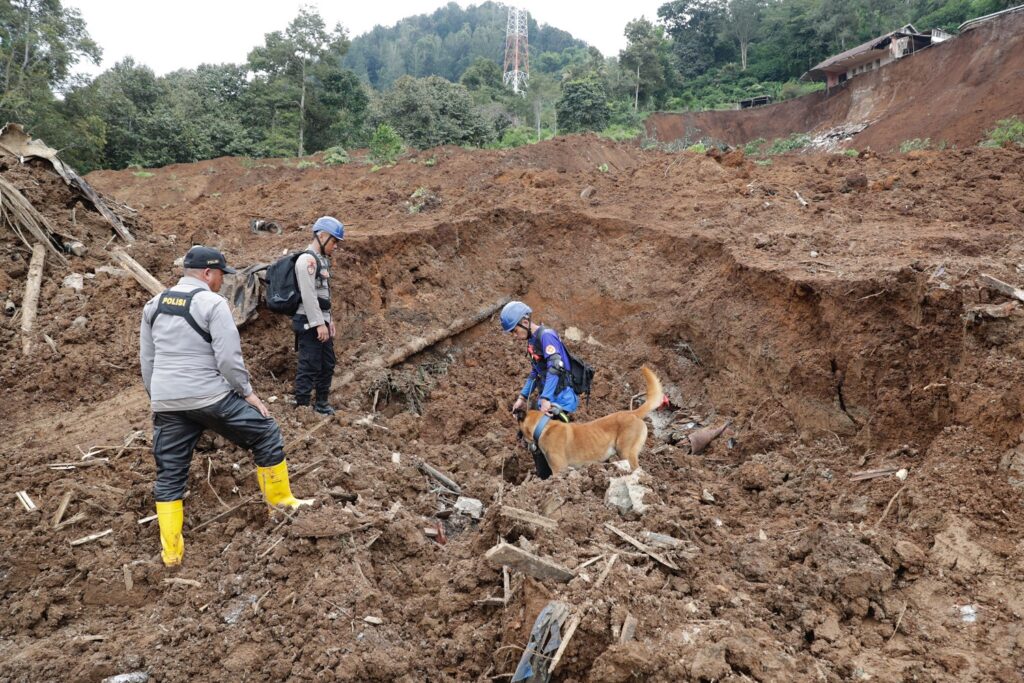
x: 512, y: 313
x: 331, y: 225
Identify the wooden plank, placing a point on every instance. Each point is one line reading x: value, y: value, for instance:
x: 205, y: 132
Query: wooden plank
x: 865, y: 475
x: 664, y: 561
x: 26, y: 501
x: 1002, y: 287
x: 628, y: 629
x: 573, y: 625
x: 141, y: 275
x: 509, y: 555
x: 529, y: 517
x: 30, y: 303
x: 75, y: 519
x: 183, y: 582
x: 605, y: 572
x: 61, y: 509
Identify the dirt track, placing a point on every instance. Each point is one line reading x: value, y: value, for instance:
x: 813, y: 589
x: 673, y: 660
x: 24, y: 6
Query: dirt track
x: 951, y: 94
x: 833, y: 336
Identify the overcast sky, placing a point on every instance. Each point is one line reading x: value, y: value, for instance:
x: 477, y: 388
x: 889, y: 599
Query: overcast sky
x: 171, y: 35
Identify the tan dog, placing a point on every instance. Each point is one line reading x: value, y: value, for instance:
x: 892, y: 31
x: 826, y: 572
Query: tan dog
x: 573, y: 444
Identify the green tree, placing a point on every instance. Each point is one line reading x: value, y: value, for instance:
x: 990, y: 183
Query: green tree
x: 648, y: 58
x: 694, y: 26
x: 583, y: 106
x: 385, y: 145
x: 482, y: 73
x: 743, y: 19
x: 431, y: 111
x: 295, y: 61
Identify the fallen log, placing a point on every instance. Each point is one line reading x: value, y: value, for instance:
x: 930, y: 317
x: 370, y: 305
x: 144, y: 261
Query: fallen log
x: 141, y: 275
x: 419, y: 344
x: 1004, y: 288
x: 504, y: 554
x: 30, y: 304
x: 440, y: 477
x: 528, y: 517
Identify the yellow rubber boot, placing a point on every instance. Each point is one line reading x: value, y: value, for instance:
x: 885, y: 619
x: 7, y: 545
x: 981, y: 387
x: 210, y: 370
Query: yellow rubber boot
x: 274, y: 485
x: 170, y: 516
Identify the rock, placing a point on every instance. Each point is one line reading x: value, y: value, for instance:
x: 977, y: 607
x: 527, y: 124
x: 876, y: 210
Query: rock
x: 829, y: 629
x: 709, y: 664
x: 76, y: 248
x: 706, y: 496
x: 902, y: 474
x: 753, y: 476
x: 762, y: 241
x: 10, y: 308
x: 115, y: 272
x: 572, y: 334
x: 396, y: 458
x: 376, y: 621
x: 80, y: 322
x: 74, y: 281
x: 133, y: 677
x: 761, y: 535
x: 470, y: 506
x: 734, y: 158
x: 910, y: 555
x: 588, y: 192
x: 626, y: 494
x: 854, y: 181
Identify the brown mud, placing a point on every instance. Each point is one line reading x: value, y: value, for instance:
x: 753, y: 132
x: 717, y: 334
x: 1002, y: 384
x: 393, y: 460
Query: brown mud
x: 833, y: 336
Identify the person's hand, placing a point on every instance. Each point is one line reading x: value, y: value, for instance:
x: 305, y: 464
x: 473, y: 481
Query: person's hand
x: 334, y: 330
x: 520, y: 402
x: 545, y: 405
x: 254, y: 400
x: 322, y: 333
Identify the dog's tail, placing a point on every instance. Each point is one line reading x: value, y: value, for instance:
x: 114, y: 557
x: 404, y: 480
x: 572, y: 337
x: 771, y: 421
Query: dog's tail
x: 654, y: 393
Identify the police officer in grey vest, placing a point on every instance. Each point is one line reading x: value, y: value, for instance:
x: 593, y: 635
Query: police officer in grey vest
x: 192, y: 367
x: 312, y: 324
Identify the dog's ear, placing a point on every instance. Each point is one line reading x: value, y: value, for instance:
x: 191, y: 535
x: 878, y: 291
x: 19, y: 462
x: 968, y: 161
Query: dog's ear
x: 520, y: 415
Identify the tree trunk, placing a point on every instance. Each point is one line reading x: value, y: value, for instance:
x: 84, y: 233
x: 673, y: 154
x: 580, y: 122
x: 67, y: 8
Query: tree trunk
x: 636, y: 95
x: 302, y: 112
x: 743, y: 54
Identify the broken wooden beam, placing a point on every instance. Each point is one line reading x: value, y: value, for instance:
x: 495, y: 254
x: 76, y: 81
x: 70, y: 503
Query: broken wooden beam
x: 505, y: 554
x: 439, y: 476
x: 604, y: 573
x: 660, y: 559
x: 526, y: 516
x: 91, y: 537
x: 91, y: 462
x: 994, y: 311
x: 141, y: 275
x: 74, y: 519
x: 61, y: 509
x: 30, y: 302
x: 1003, y: 288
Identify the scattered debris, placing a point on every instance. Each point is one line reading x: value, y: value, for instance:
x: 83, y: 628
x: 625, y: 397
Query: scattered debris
x: 470, y: 506
x: 91, y: 537
x: 700, y: 439
x: 26, y: 502
x: 133, y: 677
x: 257, y: 225
x: 865, y: 475
x: 177, y: 581
x: 545, y: 639
x: 30, y: 302
x: 1003, y: 288
x: 376, y: 621
x: 438, y: 476
x: 664, y: 561
x: 61, y: 509
x: 968, y: 613
x: 141, y: 275
x: 628, y: 629
x: 525, y: 516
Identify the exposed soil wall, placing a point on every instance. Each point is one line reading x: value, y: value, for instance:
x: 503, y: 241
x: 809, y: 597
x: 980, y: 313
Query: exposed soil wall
x: 952, y: 93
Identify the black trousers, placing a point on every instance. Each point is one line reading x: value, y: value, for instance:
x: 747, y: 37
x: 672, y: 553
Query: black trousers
x: 316, y: 363
x: 175, y: 435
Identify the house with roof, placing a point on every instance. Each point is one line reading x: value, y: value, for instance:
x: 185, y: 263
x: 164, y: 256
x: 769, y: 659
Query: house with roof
x: 874, y: 54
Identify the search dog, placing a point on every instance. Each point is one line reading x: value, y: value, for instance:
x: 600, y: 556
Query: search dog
x: 572, y: 444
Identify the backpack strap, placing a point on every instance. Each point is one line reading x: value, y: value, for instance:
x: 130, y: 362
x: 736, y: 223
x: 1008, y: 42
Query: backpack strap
x: 180, y: 304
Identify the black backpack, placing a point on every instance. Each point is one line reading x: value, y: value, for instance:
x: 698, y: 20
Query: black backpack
x: 581, y: 375
x: 282, y: 293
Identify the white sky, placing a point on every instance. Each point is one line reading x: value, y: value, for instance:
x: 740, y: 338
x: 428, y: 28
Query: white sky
x: 171, y: 35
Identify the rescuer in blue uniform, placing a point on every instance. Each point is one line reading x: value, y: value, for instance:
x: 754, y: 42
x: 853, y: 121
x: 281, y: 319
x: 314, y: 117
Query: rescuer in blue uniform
x: 548, y: 358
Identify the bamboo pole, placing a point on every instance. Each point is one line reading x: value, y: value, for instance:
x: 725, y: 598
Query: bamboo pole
x: 141, y: 275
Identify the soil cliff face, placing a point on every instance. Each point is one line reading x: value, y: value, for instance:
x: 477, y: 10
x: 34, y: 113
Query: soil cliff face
x: 951, y: 93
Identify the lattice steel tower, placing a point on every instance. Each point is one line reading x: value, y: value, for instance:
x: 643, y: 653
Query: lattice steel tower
x: 517, y: 50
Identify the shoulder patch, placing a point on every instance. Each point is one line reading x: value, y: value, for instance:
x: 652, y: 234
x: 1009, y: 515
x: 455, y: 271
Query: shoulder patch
x: 311, y: 267
x: 549, y: 349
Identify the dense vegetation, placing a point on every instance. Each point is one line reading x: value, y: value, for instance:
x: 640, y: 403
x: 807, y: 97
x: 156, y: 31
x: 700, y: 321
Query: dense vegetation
x: 429, y: 80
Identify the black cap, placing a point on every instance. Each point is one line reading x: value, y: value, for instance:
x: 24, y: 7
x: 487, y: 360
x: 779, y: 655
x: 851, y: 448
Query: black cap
x: 207, y: 257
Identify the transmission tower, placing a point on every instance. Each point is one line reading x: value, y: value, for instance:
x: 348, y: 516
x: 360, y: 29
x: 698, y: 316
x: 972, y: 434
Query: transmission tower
x: 517, y: 51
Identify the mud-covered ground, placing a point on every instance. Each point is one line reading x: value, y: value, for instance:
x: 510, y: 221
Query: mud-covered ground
x: 836, y: 337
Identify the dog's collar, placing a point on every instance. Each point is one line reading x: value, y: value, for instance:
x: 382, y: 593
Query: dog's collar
x: 539, y: 429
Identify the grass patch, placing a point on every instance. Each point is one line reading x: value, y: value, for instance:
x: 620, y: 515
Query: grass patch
x: 618, y: 132
x: 143, y: 174
x: 915, y: 144
x: 793, y: 143
x: 306, y: 163
x: 1007, y: 133
x: 335, y: 156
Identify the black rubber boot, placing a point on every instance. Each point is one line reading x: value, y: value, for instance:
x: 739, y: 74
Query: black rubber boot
x: 322, y: 406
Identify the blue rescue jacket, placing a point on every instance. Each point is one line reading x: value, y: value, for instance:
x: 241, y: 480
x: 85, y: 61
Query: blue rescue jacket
x: 550, y: 364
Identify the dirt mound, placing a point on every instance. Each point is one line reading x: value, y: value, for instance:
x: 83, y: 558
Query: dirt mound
x: 838, y: 337
x: 952, y: 93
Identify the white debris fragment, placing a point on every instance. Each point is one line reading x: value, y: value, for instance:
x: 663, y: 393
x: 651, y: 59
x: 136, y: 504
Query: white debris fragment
x: 74, y: 281
x: 470, y: 506
x: 626, y: 494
